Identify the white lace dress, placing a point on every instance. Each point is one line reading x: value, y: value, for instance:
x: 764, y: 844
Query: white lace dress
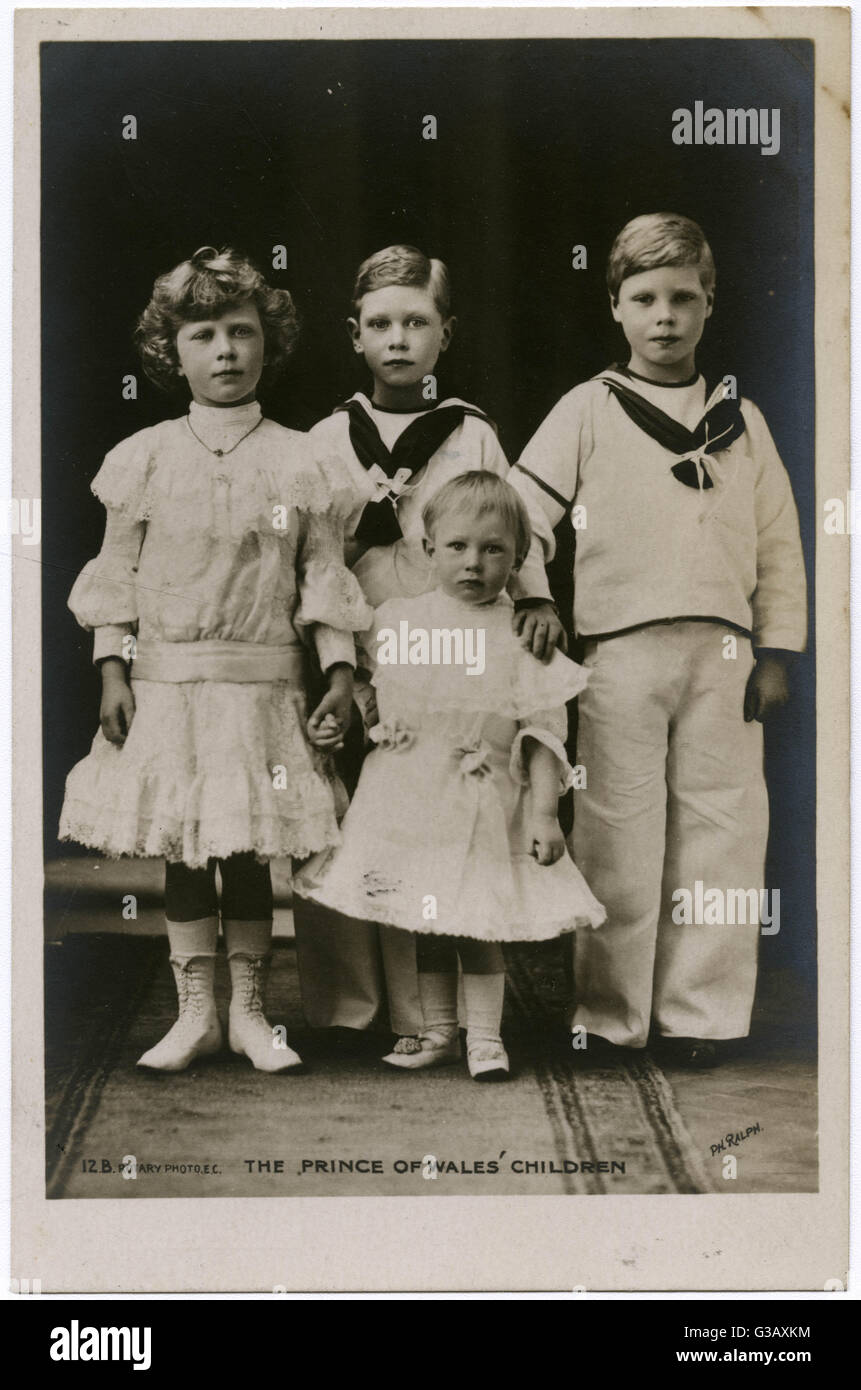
x: 214, y: 560
x: 437, y: 835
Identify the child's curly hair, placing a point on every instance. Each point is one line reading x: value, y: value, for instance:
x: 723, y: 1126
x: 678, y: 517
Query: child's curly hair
x: 206, y: 286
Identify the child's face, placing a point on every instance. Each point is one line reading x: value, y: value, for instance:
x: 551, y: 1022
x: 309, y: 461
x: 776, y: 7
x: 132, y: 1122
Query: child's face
x: 400, y: 333
x: 472, y: 556
x: 222, y: 358
x: 663, y: 313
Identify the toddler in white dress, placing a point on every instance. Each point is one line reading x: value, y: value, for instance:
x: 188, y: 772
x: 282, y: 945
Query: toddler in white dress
x: 221, y: 560
x: 453, y: 831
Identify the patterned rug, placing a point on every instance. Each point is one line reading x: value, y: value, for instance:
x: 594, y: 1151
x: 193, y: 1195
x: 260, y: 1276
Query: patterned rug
x: 108, y: 996
x: 621, y: 1110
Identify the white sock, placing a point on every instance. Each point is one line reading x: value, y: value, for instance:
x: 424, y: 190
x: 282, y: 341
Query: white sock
x: 483, y: 998
x: 247, y: 938
x: 438, y: 995
x: 190, y: 939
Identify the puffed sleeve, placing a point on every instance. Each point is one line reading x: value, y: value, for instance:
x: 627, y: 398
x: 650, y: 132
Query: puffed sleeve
x: 549, y: 727
x: 331, y: 440
x: 544, y: 717
x: 331, y: 601
x: 104, y: 596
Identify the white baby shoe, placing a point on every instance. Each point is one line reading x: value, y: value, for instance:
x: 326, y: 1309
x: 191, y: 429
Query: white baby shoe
x: 487, y: 1060
x: 427, y: 1050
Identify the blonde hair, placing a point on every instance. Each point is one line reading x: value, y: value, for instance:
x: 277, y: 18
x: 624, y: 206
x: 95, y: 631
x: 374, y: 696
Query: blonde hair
x: 403, y: 265
x: 206, y: 286
x: 477, y: 493
x: 657, y: 239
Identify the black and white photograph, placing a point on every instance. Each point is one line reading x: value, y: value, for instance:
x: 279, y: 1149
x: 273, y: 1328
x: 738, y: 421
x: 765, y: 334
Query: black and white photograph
x: 429, y: 533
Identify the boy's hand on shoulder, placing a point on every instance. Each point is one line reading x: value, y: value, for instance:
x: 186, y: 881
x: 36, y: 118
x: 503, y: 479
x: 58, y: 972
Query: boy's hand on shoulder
x: 540, y: 631
x: 548, y: 842
x: 767, y: 688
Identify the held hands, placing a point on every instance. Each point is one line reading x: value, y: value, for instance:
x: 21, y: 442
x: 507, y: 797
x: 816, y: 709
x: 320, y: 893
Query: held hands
x: 331, y: 719
x: 548, y: 842
x: 767, y: 688
x: 540, y: 631
x: 117, y: 709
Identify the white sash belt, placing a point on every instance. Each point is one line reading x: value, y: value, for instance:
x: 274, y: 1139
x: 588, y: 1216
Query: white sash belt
x: 218, y: 661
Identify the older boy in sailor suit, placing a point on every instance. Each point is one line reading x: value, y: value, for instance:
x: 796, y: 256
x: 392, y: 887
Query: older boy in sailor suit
x: 689, y: 590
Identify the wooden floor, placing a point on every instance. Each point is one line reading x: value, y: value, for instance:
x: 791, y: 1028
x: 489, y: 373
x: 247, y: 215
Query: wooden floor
x: 771, y: 1080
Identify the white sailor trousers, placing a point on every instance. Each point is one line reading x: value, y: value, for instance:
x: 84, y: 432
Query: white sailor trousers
x: 675, y: 796
x: 349, y: 971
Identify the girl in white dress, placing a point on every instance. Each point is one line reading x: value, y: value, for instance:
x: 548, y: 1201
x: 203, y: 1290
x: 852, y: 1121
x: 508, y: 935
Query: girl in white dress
x: 222, y: 560
x: 453, y: 831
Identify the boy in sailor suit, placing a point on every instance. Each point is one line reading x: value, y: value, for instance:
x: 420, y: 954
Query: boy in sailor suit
x: 689, y: 591
x: 400, y: 446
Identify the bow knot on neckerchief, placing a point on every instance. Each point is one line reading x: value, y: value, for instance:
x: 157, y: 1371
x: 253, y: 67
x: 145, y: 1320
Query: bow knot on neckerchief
x: 692, y: 472
x: 386, y: 487
x: 391, y: 469
x: 720, y: 424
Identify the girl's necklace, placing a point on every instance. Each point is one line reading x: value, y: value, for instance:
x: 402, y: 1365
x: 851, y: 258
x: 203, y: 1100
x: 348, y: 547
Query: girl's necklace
x: 222, y: 453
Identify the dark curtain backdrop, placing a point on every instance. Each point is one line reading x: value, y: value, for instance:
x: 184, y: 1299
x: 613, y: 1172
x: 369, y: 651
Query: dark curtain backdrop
x: 318, y: 146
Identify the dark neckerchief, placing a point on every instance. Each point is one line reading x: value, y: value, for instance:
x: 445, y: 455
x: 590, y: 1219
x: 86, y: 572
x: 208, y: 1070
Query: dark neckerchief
x: 719, y: 426
x: 418, y: 443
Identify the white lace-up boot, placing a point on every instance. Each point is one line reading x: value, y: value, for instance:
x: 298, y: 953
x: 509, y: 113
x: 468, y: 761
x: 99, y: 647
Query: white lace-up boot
x: 249, y: 1032
x: 197, y: 1031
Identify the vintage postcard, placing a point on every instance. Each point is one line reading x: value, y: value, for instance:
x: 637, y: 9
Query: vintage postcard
x: 430, y: 533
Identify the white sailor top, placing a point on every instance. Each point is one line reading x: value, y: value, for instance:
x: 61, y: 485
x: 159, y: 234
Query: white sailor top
x: 400, y: 567
x: 649, y: 549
